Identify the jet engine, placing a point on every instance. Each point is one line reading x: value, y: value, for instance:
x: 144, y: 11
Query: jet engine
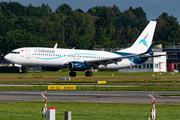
x: 77, y: 66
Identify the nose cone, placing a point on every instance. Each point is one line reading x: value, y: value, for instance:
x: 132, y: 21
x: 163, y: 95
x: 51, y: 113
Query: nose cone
x: 7, y: 57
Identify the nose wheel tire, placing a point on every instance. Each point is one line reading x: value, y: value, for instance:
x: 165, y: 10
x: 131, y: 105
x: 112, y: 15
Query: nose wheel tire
x: 88, y: 73
x: 72, y: 74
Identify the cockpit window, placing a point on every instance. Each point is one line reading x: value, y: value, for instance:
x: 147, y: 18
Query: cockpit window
x: 15, y: 52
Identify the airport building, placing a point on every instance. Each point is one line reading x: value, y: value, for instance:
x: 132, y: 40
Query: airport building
x: 173, y: 57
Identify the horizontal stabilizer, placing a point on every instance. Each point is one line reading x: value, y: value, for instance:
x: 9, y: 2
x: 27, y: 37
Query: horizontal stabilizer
x: 151, y: 56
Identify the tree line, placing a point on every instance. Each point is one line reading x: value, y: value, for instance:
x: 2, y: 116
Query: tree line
x: 100, y: 26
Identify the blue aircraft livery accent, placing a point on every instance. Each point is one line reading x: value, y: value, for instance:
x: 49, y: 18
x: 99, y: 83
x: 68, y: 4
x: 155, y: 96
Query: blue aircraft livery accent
x: 35, y: 50
x: 144, y: 42
x: 49, y: 58
x: 149, y: 50
x: 122, y: 53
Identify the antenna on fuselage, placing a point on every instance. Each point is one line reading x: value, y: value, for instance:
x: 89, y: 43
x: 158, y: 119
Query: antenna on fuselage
x: 55, y: 46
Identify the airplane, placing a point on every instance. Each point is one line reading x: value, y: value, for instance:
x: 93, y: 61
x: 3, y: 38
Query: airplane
x: 53, y: 59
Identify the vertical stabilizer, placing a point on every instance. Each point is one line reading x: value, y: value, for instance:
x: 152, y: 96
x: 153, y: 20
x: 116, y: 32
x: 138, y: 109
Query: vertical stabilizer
x: 144, y: 41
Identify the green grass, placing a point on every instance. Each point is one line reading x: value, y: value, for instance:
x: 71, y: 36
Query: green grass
x: 82, y: 73
x: 164, y: 82
x: 167, y: 95
x: 9, y: 88
x: 117, y: 80
x: 88, y: 111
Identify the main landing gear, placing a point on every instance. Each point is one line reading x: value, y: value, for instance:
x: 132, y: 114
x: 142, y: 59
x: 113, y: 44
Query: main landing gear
x: 88, y: 74
x: 73, y: 74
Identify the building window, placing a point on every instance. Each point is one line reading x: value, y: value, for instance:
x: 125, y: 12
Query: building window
x: 147, y: 65
x: 172, y: 55
x: 144, y: 65
x: 151, y: 65
x: 156, y: 65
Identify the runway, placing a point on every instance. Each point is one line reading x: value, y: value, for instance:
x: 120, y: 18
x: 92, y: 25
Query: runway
x: 92, y: 96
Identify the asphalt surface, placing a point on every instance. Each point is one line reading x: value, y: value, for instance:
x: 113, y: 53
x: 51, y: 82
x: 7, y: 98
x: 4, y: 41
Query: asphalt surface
x: 92, y: 96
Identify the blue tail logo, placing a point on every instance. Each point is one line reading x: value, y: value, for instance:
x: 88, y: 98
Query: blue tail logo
x: 144, y: 41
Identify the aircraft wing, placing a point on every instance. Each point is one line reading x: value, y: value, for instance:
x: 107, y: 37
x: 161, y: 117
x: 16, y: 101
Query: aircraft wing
x: 107, y: 61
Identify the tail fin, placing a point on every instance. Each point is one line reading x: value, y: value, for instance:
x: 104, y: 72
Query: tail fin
x: 150, y: 48
x: 144, y: 41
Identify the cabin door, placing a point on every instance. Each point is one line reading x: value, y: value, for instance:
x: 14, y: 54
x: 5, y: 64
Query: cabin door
x: 28, y: 54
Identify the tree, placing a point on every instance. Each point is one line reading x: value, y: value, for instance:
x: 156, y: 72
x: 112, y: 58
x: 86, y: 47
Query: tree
x: 129, y: 12
x: 167, y: 30
x: 124, y: 20
x: 64, y: 8
x: 103, y: 26
x: 142, y: 23
x: 82, y: 42
x: 95, y: 11
x: 70, y: 28
x: 46, y: 8
x: 79, y: 10
x: 107, y: 27
x: 116, y: 9
x: 15, y: 8
x: 139, y: 13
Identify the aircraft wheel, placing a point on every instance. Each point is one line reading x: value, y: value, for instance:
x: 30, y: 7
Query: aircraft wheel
x: 88, y: 73
x: 72, y: 74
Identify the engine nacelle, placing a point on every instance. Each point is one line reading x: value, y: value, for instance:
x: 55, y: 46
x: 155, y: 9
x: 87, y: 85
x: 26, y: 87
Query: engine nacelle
x: 139, y: 59
x: 77, y: 66
x: 50, y: 68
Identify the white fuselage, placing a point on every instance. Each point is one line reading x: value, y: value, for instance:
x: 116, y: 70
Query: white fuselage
x: 51, y: 57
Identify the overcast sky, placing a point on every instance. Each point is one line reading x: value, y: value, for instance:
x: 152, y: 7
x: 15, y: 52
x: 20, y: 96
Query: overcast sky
x: 152, y: 8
